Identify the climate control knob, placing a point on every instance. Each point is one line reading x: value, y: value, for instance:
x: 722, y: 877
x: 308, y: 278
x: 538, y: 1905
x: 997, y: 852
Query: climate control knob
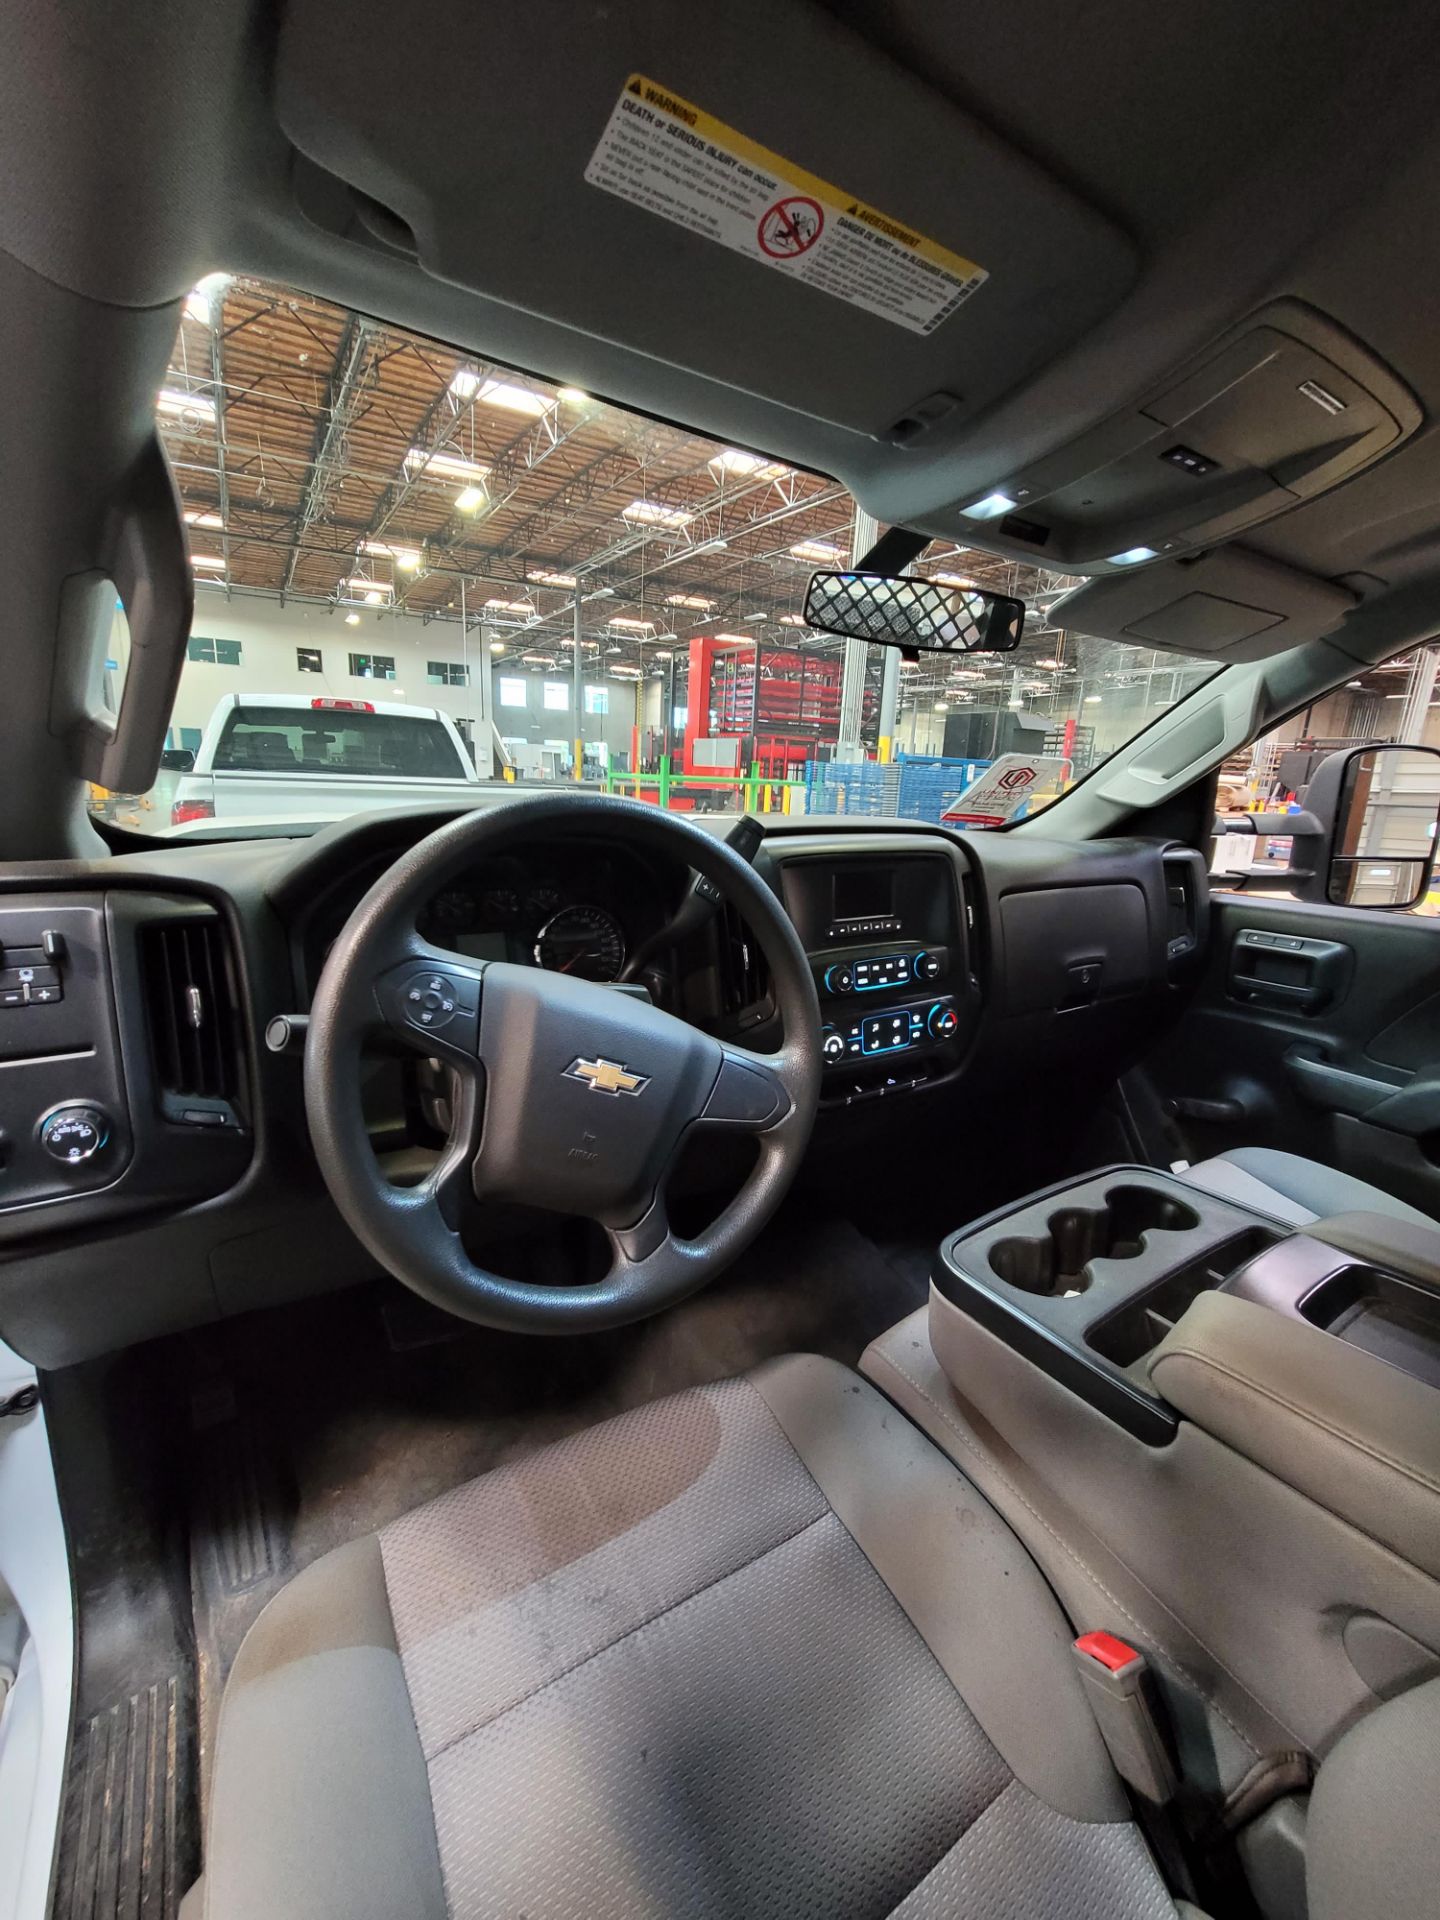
x: 832, y: 1045
x: 73, y: 1135
x: 942, y: 1021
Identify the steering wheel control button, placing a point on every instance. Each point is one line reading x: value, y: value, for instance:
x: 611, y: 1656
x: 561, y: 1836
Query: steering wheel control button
x: 73, y: 1135
x: 434, y: 1000
x: 431, y: 1001
x: 942, y: 1021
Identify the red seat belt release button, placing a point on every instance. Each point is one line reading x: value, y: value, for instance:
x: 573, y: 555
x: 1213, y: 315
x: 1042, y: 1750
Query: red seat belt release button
x: 1121, y: 1693
x: 1105, y: 1648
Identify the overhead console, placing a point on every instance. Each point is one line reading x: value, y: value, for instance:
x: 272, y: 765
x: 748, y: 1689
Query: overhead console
x: 1282, y: 409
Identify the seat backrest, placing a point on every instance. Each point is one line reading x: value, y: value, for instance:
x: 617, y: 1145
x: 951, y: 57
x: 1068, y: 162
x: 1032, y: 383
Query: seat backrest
x: 1372, y: 1841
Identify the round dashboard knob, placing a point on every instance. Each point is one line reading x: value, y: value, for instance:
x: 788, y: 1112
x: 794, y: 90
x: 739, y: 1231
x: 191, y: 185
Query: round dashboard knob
x: 839, y: 979
x: 927, y: 966
x: 942, y: 1021
x: 73, y: 1135
x: 832, y: 1046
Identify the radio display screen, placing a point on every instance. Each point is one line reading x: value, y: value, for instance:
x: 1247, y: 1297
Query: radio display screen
x: 864, y: 893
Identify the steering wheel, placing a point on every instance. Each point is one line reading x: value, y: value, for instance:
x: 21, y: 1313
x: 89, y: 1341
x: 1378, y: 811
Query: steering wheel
x: 572, y: 1096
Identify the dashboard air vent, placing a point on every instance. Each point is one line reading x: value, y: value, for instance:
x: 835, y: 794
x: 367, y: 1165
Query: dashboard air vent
x: 1187, y: 899
x: 744, y: 976
x: 193, y: 1007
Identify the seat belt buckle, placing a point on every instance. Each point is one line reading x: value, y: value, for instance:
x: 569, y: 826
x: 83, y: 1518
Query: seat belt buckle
x: 1121, y: 1691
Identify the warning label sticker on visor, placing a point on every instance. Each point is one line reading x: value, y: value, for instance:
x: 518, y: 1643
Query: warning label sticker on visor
x: 661, y: 153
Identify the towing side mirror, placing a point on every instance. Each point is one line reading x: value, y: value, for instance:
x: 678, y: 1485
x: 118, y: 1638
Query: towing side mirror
x: 1364, y: 836
x: 1384, y: 824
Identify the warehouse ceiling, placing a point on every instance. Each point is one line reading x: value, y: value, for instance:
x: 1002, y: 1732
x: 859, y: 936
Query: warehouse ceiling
x: 324, y: 457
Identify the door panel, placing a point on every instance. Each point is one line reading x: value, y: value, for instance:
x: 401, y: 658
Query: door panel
x: 1315, y: 1029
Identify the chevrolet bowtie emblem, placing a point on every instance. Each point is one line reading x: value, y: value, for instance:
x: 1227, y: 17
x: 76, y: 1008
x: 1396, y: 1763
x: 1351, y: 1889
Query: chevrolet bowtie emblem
x: 607, y: 1076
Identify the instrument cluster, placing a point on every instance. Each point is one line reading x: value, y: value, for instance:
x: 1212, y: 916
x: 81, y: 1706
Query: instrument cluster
x: 582, y: 913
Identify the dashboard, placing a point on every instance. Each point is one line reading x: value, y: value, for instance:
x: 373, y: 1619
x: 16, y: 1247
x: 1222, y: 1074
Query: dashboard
x: 155, y: 1163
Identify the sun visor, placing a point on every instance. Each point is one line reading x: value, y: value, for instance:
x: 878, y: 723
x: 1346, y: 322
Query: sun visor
x: 1233, y: 604
x: 752, y: 192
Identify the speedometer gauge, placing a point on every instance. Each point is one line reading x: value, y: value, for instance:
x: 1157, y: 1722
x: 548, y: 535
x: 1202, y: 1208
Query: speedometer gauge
x: 585, y: 942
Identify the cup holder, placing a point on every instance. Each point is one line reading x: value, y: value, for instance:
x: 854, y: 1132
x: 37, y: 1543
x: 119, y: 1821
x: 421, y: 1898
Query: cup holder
x: 1058, y: 1261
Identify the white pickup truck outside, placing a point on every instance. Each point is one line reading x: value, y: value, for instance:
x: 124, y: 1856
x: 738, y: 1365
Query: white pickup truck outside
x: 284, y: 757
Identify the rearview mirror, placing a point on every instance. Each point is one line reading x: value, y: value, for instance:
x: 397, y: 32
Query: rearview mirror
x: 177, y: 760
x: 921, y: 616
x: 1382, y: 850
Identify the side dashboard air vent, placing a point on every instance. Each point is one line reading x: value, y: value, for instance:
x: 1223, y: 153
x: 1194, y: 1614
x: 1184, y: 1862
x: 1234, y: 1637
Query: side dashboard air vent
x: 974, y: 932
x: 1187, y: 903
x: 744, y: 976
x: 193, y: 1007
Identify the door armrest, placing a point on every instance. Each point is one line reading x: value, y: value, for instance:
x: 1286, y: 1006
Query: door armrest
x: 1349, y: 1431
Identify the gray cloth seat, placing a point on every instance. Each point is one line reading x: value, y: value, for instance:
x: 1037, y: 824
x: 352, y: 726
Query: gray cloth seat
x: 1294, y: 1189
x: 756, y: 1649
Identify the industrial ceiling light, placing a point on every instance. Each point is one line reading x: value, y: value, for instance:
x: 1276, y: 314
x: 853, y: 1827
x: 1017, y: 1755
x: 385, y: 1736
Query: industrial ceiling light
x: 543, y: 577
x: 749, y: 466
x: 497, y: 646
x: 652, y: 513
x: 195, y: 518
x: 737, y: 639
x: 663, y: 653
x: 750, y: 618
x: 437, y: 464
x: 469, y: 499
x: 713, y: 546
x: 510, y: 606
x: 406, y: 558
x: 824, y: 552
x: 210, y: 562
x: 352, y: 619
x: 465, y: 383
x: 200, y: 302
x: 961, y: 580
x: 515, y: 399
x: 633, y: 625
x: 792, y: 620
x: 573, y: 396
x: 695, y: 600
x: 180, y: 404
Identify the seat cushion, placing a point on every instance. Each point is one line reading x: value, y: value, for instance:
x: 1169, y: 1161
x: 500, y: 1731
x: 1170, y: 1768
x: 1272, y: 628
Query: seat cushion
x: 1294, y: 1189
x: 755, y: 1649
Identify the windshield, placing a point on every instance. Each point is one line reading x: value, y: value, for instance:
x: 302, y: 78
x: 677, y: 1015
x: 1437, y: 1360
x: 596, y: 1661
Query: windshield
x: 413, y: 566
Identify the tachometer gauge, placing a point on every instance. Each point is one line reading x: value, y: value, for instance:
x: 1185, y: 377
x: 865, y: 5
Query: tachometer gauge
x: 501, y: 904
x: 455, y: 908
x: 540, y: 903
x: 585, y: 942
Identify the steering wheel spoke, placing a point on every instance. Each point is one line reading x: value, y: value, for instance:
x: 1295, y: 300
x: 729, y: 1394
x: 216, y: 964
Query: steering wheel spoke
x: 631, y: 1246
x: 751, y: 1093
